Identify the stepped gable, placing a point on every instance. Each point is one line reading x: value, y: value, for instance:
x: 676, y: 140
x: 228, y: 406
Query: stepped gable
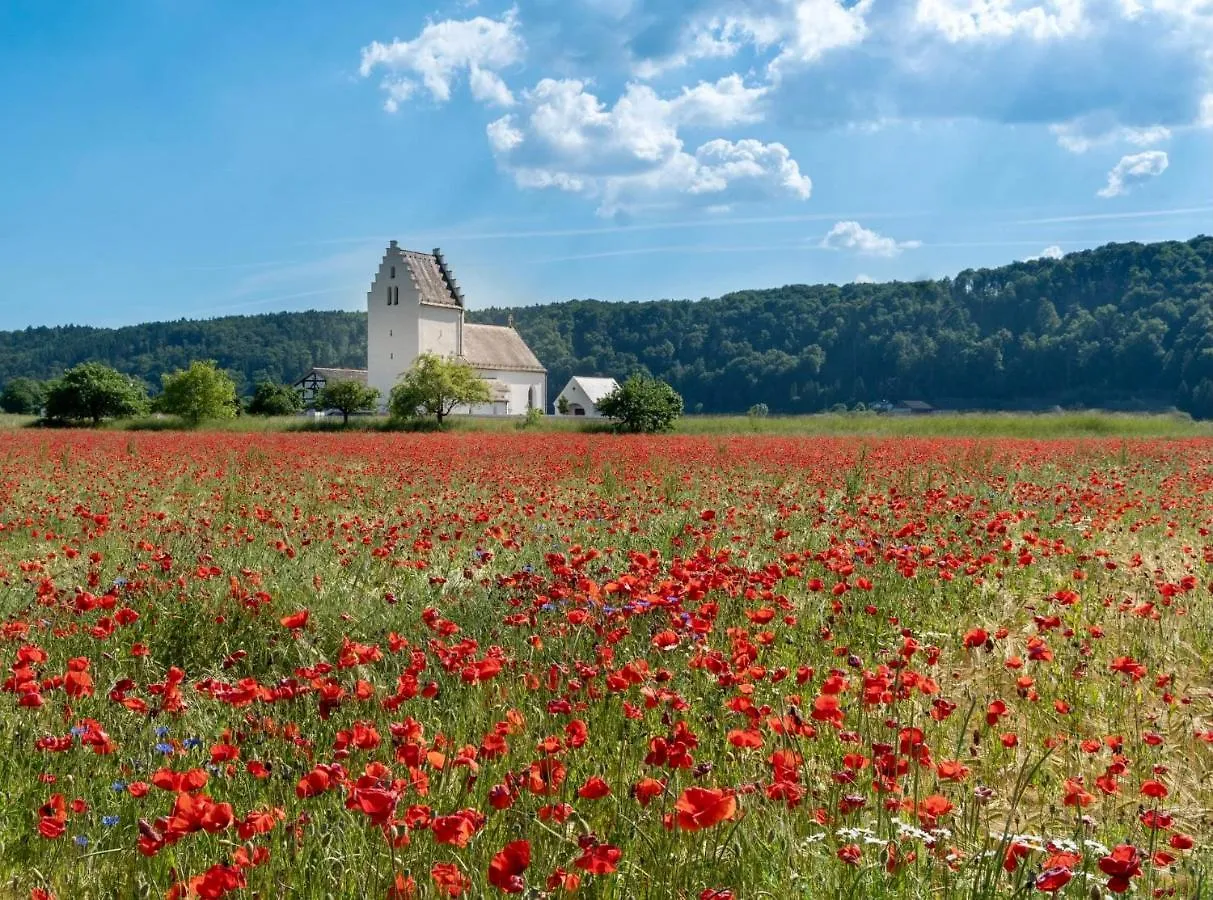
x: 433, y: 283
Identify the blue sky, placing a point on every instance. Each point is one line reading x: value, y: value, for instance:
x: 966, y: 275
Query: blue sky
x: 192, y: 158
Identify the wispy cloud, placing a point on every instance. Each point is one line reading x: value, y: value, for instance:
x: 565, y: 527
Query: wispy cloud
x: 1140, y: 214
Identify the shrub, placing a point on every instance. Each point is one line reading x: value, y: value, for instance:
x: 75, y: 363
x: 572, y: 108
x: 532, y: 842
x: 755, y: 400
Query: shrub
x: 203, y: 391
x: 643, y: 405
x: 23, y: 396
x: 93, y: 391
x: 270, y: 399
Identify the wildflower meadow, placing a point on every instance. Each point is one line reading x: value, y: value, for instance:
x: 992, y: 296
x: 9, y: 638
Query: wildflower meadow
x: 549, y: 665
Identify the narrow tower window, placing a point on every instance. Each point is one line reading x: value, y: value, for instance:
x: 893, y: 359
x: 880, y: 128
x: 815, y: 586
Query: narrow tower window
x: 393, y: 271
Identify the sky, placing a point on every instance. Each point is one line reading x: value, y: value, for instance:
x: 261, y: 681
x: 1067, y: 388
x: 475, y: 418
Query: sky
x: 167, y: 159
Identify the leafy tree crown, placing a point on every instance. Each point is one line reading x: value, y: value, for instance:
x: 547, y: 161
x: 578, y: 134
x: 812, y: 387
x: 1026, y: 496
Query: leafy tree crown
x: 642, y: 404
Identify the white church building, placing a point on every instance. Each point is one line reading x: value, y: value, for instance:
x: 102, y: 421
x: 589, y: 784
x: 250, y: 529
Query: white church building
x: 415, y: 306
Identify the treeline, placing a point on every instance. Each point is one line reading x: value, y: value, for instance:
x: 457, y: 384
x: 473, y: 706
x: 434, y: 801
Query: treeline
x: 1123, y: 325
x: 278, y: 347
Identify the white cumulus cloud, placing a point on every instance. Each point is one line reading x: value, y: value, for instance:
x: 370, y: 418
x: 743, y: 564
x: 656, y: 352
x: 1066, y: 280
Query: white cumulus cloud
x: 1050, y: 252
x: 1083, y: 134
x: 1205, y: 119
x: 801, y: 32
x: 479, y: 47
x: 630, y: 156
x: 853, y: 236
x: 1132, y: 170
x: 975, y: 20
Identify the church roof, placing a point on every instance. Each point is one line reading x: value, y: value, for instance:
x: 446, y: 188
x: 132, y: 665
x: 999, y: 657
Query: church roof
x: 498, y: 347
x: 432, y: 278
x: 595, y: 388
x: 328, y: 375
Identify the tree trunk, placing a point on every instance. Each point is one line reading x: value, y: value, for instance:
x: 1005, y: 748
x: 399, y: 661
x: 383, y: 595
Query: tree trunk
x: 345, y: 418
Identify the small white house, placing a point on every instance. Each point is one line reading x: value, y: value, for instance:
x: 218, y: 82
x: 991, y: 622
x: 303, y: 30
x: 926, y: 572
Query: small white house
x: 581, y: 396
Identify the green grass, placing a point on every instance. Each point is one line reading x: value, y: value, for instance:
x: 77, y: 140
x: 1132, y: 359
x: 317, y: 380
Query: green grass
x: 1091, y: 423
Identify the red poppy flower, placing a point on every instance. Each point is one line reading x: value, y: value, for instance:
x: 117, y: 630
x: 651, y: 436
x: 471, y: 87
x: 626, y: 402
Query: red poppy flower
x: 295, y: 619
x: 594, y: 789
x: 1122, y: 864
x: 975, y: 637
x: 507, y: 867
x: 850, y: 854
x: 601, y: 859
x: 1155, y: 789
x: 1053, y: 880
x: 646, y: 789
x: 704, y: 807
x: 450, y: 880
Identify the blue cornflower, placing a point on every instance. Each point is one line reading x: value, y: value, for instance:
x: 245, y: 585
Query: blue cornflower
x: 165, y: 748
x: 109, y: 821
x: 77, y: 730
x: 118, y: 787
x: 119, y: 581
x: 191, y: 743
x: 528, y: 568
x: 161, y: 731
x: 81, y: 841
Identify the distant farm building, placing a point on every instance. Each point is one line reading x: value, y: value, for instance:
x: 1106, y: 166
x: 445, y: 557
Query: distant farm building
x: 912, y: 408
x: 315, y: 380
x: 581, y: 396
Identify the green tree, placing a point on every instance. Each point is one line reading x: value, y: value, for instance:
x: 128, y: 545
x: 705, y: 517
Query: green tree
x: 93, y: 391
x: 23, y: 396
x: 203, y: 391
x: 347, y: 397
x: 643, y: 405
x: 272, y: 399
x: 434, y: 386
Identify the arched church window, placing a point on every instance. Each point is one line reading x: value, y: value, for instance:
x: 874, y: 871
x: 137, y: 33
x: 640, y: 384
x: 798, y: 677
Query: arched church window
x: 393, y: 271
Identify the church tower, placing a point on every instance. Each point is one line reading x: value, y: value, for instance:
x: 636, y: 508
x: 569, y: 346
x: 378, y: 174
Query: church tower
x: 414, y: 306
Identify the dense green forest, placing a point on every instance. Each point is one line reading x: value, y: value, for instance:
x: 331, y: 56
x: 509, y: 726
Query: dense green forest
x: 1126, y: 325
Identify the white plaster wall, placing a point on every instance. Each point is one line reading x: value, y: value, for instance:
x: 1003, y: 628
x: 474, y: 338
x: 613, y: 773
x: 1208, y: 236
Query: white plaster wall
x: 520, y: 384
x: 439, y: 330
x: 574, y: 394
x: 391, y: 339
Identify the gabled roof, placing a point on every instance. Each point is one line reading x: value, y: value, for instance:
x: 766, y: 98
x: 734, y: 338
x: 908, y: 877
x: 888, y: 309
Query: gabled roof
x: 328, y: 375
x: 499, y: 390
x: 432, y: 279
x: 594, y: 388
x: 915, y: 404
x: 498, y: 347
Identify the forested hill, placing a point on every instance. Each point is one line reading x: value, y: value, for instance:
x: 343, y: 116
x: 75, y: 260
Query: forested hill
x: 1123, y: 324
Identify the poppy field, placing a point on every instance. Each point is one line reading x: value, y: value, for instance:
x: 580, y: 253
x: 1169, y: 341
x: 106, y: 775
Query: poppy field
x: 549, y: 665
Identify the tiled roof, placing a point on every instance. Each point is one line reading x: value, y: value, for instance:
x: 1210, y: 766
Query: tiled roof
x: 328, y: 375
x: 431, y: 283
x: 498, y: 347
